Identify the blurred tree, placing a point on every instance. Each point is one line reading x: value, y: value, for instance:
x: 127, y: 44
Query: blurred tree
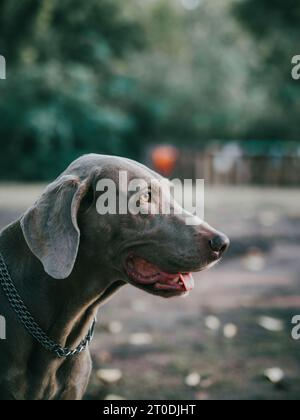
x: 195, y: 76
x: 107, y: 76
x: 275, y: 28
x: 66, y: 91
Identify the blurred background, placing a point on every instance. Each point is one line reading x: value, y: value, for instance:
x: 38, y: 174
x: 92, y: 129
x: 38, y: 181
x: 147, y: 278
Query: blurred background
x: 195, y: 89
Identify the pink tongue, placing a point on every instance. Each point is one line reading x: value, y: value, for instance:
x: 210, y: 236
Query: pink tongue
x: 152, y: 274
x: 188, y: 281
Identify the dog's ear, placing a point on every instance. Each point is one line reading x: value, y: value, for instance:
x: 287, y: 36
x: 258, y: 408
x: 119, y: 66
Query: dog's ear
x: 50, y: 227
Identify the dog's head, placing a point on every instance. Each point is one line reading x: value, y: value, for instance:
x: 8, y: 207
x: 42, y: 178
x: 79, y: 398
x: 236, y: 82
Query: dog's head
x: 89, y: 211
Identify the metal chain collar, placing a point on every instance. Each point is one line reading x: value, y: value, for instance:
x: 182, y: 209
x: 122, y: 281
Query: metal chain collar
x: 29, y: 322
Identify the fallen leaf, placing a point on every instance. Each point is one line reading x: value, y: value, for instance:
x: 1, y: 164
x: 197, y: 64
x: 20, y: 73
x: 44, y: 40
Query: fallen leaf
x: 270, y: 324
x: 212, y: 323
x: 274, y: 375
x: 193, y: 379
x: 109, y: 376
x: 113, y: 397
x: 140, y: 339
x: 230, y: 330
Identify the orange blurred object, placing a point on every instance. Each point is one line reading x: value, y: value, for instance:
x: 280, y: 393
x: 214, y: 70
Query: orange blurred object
x: 164, y: 159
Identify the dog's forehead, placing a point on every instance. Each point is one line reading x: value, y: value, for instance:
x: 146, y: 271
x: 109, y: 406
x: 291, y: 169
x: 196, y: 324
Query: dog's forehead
x: 111, y: 167
x: 132, y: 170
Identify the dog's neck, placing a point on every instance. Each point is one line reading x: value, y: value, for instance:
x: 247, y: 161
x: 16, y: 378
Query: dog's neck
x: 64, y: 309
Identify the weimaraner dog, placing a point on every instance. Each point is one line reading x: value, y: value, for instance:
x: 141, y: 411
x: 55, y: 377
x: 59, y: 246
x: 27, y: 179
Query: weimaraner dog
x: 62, y: 260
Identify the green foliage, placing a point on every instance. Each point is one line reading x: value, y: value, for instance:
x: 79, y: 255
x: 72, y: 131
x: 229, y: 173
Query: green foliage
x: 195, y: 76
x: 107, y: 76
x: 275, y: 27
x: 66, y: 93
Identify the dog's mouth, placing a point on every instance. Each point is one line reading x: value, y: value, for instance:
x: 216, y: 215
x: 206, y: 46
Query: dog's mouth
x: 148, y: 276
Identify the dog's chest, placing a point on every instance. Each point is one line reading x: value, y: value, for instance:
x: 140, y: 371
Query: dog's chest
x: 46, y: 380
x: 65, y: 381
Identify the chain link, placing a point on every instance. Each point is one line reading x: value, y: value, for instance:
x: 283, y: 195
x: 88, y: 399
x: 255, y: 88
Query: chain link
x: 29, y: 322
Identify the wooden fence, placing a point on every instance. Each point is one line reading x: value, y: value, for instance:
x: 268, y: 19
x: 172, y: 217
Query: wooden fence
x: 243, y: 170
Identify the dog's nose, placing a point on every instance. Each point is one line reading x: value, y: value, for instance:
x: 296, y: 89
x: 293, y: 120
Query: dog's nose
x: 219, y: 243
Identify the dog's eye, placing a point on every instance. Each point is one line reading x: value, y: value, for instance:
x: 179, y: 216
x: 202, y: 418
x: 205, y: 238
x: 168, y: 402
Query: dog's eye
x: 145, y: 197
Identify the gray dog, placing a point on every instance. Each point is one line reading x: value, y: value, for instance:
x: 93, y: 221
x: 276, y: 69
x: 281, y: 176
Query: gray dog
x: 62, y: 260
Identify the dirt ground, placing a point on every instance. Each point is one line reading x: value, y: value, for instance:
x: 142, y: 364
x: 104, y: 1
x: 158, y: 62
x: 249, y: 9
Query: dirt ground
x: 218, y: 342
